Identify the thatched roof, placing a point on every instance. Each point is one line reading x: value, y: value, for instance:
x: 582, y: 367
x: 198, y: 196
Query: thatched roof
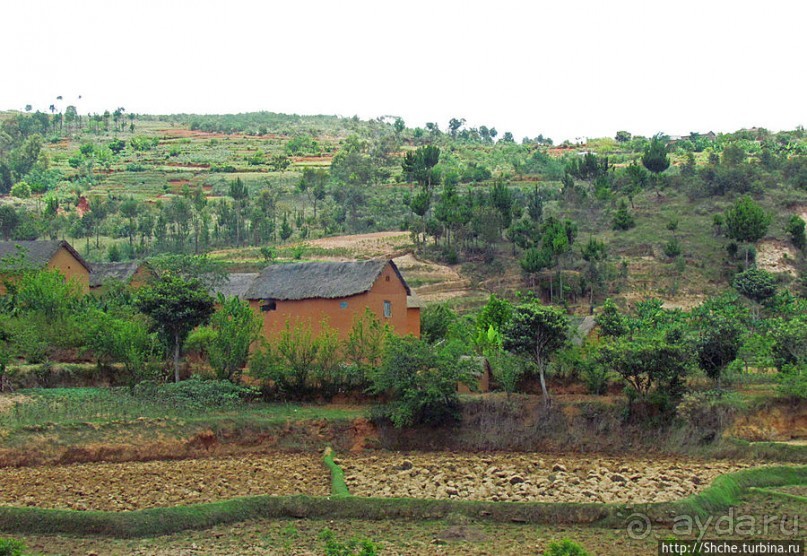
x: 38, y: 253
x: 236, y: 284
x: 318, y: 280
x: 122, y: 272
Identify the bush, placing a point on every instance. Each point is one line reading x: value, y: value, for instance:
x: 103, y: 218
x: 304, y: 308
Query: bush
x: 623, y: 220
x: 710, y: 410
x: 672, y: 248
x: 420, y: 382
x: 594, y: 376
x: 755, y: 284
x: 794, y: 382
x: 11, y: 547
x: 196, y: 393
x: 435, y: 321
x: 565, y: 547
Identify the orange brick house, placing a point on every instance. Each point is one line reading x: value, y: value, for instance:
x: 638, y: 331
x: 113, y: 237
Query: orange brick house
x: 338, y: 292
x: 51, y: 255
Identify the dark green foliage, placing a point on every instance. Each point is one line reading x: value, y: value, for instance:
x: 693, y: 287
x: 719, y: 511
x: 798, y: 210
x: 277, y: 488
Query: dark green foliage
x: 746, y: 221
x: 419, y: 381
x: 435, y: 321
x: 176, y: 306
x: 623, y: 219
x: 647, y: 363
x: 719, y: 323
x: 755, y: 284
x: 655, y: 156
x: 565, y: 547
x: 795, y: 227
x: 612, y: 324
x: 789, y: 345
x: 536, y: 332
x: 418, y: 165
x: 672, y: 248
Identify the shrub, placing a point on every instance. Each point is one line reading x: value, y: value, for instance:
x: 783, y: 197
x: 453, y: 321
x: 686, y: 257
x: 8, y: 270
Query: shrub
x: 755, y: 284
x: 420, y: 382
x: 11, y: 547
x: 623, y: 220
x: 196, y: 394
x: 435, y: 321
x: 794, y: 381
x: 710, y: 409
x: 235, y: 326
x: 507, y: 370
x: 565, y: 547
x: 672, y: 248
x: 594, y: 376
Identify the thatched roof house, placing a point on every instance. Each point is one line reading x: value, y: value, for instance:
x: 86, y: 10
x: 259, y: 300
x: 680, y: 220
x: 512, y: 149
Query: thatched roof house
x: 56, y: 255
x: 236, y: 285
x: 336, y: 292
x: 133, y: 273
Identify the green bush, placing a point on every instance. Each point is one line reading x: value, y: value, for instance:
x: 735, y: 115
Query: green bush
x: 11, y: 547
x: 420, y: 383
x: 565, y: 547
x: 435, y: 321
x: 794, y: 382
x: 672, y: 248
x: 196, y: 393
x: 352, y: 547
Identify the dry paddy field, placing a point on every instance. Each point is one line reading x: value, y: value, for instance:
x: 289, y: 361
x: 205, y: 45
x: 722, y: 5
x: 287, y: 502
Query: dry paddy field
x: 520, y: 477
x: 138, y: 485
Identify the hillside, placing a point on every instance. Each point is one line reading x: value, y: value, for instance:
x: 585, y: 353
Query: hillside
x: 122, y: 186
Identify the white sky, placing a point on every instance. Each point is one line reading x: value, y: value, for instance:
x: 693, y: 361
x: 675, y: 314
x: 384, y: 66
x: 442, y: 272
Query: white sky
x: 561, y: 68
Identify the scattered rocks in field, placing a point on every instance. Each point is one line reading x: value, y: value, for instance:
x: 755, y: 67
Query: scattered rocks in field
x: 524, y: 477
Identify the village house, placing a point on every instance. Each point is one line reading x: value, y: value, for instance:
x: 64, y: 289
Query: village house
x: 132, y: 273
x: 335, y: 292
x: 51, y: 255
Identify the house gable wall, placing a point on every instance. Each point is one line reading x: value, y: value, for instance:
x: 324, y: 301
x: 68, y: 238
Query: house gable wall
x: 341, y: 313
x: 71, y: 268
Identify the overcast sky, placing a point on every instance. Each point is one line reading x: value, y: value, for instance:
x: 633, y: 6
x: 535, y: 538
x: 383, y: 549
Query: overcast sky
x: 562, y: 68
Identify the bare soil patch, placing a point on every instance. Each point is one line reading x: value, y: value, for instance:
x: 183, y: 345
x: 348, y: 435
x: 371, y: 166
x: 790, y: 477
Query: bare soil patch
x: 530, y: 477
x: 133, y: 486
x: 777, y: 256
x: 377, y: 244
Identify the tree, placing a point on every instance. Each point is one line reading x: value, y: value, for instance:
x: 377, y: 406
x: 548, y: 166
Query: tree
x: 623, y: 219
x: 719, y: 322
x: 418, y: 165
x: 9, y: 220
x: 612, y: 324
x: 236, y: 327
x: 176, y: 306
x: 594, y: 252
x: 623, y: 136
x: 747, y: 222
x: 755, y: 284
x: 795, y: 227
x: 647, y: 362
x: 655, y: 156
x: 537, y: 332
x: 419, y: 381
x: 435, y: 321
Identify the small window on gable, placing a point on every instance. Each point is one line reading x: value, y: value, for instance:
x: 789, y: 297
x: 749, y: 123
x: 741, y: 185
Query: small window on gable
x: 343, y: 305
x: 387, y: 309
x: 386, y: 278
x: 269, y: 305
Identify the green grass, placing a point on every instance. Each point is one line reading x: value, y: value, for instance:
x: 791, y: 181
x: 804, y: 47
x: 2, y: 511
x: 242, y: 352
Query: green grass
x: 724, y: 492
x: 338, y: 484
x: 69, y: 408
